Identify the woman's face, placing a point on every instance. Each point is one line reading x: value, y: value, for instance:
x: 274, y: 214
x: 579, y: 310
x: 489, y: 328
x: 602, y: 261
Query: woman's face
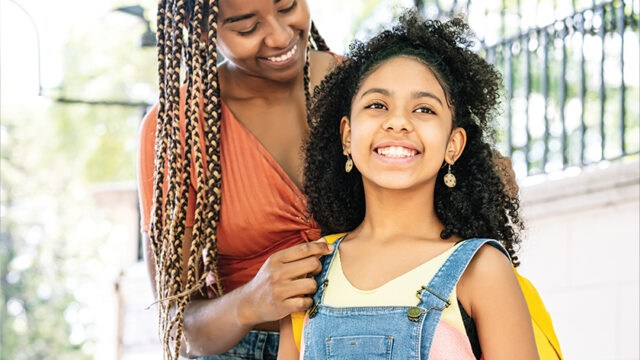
x: 400, y: 130
x: 265, y: 38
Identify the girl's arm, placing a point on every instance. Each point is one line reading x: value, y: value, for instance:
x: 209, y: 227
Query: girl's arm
x: 490, y: 292
x: 287, y: 349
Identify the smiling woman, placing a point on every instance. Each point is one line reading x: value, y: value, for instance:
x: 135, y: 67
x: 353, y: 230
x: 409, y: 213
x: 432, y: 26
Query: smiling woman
x: 223, y: 219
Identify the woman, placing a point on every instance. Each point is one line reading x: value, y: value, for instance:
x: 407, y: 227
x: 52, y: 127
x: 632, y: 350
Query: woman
x: 220, y: 161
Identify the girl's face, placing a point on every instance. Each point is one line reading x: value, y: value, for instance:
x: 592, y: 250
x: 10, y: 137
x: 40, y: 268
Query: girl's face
x: 265, y: 38
x: 400, y: 130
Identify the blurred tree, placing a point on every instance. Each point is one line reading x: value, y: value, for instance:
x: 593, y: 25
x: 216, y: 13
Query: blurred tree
x: 55, y: 251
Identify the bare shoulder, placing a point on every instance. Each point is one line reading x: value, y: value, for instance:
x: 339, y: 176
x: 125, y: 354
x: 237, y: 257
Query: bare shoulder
x: 489, y: 273
x: 490, y: 293
x: 489, y: 261
x: 321, y: 63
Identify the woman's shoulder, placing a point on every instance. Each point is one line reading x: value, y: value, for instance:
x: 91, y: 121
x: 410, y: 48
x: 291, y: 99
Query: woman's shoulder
x: 322, y: 63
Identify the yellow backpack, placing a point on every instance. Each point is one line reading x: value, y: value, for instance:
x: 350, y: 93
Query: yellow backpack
x: 546, y: 340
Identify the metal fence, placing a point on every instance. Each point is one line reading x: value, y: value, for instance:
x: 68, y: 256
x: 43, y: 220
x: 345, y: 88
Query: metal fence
x: 571, y: 85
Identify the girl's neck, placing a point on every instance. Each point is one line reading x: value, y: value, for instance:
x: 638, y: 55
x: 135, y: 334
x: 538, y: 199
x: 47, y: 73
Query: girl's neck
x: 239, y: 85
x: 393, y: 213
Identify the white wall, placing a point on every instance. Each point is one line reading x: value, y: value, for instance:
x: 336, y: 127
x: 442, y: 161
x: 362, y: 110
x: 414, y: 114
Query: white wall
x: 581, y: 252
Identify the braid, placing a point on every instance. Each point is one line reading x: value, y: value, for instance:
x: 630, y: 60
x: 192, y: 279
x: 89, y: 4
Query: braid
x: 160, y: 154
x: 173, y: 162
x: 169, y: 221
x: 212, y: 131
x: 307, y: 93
x: 321, y: 45
x: 163, y: 141
x: 175, y: 208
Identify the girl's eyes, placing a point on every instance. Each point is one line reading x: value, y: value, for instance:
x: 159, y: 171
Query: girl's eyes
x: 380, y: 106
x: 376, y: 106
x: 425, y: 110
x: 286, y: 10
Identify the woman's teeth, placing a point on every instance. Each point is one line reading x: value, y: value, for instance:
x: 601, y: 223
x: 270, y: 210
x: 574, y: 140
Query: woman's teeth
x: 395, y: 151
x: 284, y: 57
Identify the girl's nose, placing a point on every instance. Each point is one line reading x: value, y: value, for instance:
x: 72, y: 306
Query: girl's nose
x: 279, y: 35
x: 397, y: 122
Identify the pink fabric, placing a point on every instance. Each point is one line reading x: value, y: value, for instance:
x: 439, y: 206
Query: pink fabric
x: 449, y: 343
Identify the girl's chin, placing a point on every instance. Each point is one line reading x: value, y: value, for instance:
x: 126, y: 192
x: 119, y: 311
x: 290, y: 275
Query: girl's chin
x: 394, y: 184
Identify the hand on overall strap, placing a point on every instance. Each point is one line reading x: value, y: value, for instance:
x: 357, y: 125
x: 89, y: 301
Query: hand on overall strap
x: 281, y: 285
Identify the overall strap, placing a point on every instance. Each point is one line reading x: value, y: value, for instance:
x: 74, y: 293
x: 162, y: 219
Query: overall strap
x: 435, y: 296
x: 447, y: 277
x: 326, y: 261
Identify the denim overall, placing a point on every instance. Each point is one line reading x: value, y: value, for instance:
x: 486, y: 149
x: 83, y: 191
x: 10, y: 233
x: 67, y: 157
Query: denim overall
x: 257, y: 344
x: 385, y: 332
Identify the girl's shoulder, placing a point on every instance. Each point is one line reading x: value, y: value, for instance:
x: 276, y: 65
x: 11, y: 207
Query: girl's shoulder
x: 489, y: 272
x: 489, y: 260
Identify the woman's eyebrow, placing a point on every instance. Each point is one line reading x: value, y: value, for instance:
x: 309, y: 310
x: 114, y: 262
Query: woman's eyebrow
x: 233, y: 19
x: 419, y: 94
x: 237, y: 18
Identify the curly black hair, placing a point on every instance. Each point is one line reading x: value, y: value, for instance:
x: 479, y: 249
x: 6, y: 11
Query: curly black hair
x: 479, y: 205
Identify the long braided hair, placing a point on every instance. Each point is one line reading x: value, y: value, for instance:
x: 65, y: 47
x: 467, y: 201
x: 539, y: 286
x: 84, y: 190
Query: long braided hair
x: 181, y: 24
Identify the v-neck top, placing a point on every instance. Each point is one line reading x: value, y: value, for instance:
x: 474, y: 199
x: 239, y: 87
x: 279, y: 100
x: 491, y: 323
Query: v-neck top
x: 262, y: 211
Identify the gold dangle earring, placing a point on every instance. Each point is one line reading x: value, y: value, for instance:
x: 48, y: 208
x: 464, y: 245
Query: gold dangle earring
x: 349, y: 164
x: 449, y: 178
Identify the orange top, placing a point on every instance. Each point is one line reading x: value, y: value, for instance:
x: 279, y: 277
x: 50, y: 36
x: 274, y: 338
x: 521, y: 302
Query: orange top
x: 262, y: 210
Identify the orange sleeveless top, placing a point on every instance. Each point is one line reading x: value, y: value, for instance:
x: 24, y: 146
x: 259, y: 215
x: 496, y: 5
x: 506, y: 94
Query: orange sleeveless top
x: 262, y: 210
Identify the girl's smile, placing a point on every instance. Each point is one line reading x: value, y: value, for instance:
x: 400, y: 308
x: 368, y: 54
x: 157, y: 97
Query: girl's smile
x: 396, y: 152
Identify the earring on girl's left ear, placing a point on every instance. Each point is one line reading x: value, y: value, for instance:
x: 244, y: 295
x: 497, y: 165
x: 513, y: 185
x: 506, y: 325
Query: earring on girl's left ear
x: 449, y: 178
x: 349, y: 164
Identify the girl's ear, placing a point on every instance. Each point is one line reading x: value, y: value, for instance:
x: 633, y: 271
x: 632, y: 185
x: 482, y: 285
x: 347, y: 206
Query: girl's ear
x: 345, y: 132
x: 457, y: 142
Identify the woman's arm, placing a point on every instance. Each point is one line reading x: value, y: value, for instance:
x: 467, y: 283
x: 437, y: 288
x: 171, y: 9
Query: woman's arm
x: 490, y: 292
x: 213, y: 326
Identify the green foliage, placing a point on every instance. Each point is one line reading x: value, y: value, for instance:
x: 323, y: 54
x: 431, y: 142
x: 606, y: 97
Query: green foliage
x: 54, y: 252
x: 34, y: 294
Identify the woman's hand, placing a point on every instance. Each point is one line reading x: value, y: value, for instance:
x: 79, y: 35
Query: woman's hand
x: 281, y: 285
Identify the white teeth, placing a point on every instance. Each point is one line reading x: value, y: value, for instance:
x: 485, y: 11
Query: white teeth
x: 395, y: 151
x: 284, y: 57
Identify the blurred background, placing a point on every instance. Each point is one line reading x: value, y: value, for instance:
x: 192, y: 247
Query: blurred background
x: 77, y: 77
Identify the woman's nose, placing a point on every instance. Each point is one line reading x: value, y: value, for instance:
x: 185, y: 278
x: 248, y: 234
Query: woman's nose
x: 279, y: 35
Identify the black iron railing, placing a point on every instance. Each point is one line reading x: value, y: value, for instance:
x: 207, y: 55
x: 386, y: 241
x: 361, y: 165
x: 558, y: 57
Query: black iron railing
x: 568, y: 100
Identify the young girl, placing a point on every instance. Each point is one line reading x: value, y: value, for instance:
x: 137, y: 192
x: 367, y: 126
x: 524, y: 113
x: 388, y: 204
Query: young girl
x: 399, y: 161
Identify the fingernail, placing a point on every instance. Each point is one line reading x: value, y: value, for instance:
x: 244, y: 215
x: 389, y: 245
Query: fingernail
x: 330, y: 247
